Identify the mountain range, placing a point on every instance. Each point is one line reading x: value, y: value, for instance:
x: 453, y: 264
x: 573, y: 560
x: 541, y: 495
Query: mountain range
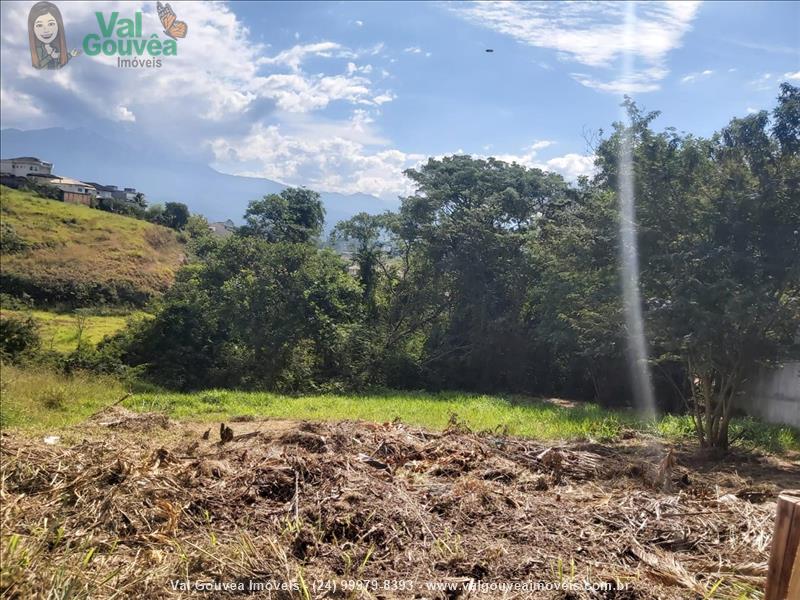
x: 86, y: 155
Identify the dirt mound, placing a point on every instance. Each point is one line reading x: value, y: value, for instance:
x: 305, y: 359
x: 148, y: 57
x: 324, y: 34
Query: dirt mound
x: 406, y: 512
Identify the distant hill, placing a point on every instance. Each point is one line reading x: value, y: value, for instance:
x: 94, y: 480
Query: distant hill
x: 63, y: 253
x: 86, y: 155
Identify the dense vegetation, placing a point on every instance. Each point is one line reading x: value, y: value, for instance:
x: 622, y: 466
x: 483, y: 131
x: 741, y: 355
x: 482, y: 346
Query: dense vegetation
x: 57, y: 253
x: 495, y: 277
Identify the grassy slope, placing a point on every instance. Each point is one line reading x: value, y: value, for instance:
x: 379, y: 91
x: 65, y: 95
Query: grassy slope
x: 40, y: 400
x: 59, y: 331
x: 72, y: 245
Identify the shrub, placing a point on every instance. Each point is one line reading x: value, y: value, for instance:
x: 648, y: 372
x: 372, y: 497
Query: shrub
x: 19, y: 336
x: 10, y: 241
x: 53, y: 398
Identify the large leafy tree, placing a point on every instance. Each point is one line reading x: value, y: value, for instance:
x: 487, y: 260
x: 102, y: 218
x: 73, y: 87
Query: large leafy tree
x: 718, y: 239
x: 295, y: 215
x: 253, y: 314
x: 574, y: 307
x: 466, y: 228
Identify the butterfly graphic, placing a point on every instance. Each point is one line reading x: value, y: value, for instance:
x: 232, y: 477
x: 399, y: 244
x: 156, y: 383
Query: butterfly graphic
x: 172, y: 27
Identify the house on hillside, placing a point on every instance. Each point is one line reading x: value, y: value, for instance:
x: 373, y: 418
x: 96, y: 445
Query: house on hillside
x: 104, y: 192
x: 223, y: 228
x: 126, y: 194
x: 112, y: 192
x: 72, y: 190
x: 24, y: 166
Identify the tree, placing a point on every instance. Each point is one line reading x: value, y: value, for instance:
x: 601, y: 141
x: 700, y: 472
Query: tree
x: 253, y: 314
x: 175, y: 216
x: 464, y: 232
x: 19, y: 336
x: 574, y: 306
x: 295, y: 215
x: 155, y: 213
x: 369, y: 234
x: 718, y: 243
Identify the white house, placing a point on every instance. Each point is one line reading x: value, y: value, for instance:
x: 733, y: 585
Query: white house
x: 24, y: 166
x: 72, y: 190
x: 105, y: 192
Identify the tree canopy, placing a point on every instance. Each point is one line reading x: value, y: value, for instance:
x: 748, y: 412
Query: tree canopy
x: 500, y: 277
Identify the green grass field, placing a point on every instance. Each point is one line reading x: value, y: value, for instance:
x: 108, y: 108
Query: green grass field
x: 41, y: 400
x: 62, y: 331
x: 63, y: 252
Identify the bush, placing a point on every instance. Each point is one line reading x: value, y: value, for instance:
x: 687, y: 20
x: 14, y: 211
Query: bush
x: 53, y: 398
x: 10, y: 302
x: 10, y: 241
x: 19, y: 337
x: 253, y: 314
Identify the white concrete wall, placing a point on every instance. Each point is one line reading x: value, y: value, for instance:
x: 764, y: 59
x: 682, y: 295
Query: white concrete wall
x: 773, y: 395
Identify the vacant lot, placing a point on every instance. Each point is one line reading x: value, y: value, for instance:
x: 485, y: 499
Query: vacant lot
x: 103, y: 498
x: 42, y: 400
x: 57, y: 252
x: 135, y: 505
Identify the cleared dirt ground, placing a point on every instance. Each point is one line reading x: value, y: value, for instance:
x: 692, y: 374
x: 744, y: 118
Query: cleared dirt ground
x: 134, y: 505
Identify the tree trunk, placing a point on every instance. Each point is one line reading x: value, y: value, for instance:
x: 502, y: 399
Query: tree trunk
x: 716, y: 391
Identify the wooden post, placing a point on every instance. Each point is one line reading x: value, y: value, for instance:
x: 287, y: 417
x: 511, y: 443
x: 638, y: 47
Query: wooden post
x: 783, y: 578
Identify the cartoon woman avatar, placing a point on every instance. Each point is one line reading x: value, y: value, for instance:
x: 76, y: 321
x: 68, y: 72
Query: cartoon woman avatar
x: 47, y: 38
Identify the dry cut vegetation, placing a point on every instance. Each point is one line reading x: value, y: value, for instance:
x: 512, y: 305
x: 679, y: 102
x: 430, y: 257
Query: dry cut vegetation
x: 135, y: 505
x: 58, y: 252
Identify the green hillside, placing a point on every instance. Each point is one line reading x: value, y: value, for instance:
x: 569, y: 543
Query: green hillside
x: 62, y: 253
x: 63, y: 331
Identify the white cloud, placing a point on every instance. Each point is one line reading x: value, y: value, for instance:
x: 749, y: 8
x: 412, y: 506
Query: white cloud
x: 334, y: 160
x: 413, y: 50
x: 218, y: 85
x: 359, y: 23
x: 751, y: 110
x: 538, y: 145
x: 222, y: 92
x: 354, y: 68
x: 570, y: 165
x: 19, y: 107
x: 294, y: 56
x: 599, y: 35
x: 631, y: 84
x: 763, y: 82
x: 123, y: 114
x: 383, y: 98
x: 793, y: 76
x: 692, y: 77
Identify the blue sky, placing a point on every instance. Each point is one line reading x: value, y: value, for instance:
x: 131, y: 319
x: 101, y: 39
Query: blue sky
x: 342, y: 96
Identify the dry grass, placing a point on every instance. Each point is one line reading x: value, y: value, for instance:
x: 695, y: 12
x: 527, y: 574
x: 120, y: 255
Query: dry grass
x: 129, y: 502
x: 69, y: 247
